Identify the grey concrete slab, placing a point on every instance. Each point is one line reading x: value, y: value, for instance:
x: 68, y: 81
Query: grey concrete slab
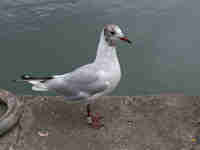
x: 131, y: 123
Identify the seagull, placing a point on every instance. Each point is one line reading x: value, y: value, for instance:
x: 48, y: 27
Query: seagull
x: 89, y: 81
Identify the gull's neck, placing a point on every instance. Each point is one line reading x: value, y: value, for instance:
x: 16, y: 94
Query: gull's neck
x: 105, y: 52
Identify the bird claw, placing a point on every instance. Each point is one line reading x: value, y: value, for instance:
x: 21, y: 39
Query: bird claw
x: 95, y: 121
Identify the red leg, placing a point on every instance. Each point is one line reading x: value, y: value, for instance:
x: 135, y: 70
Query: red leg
x: 93, y: 120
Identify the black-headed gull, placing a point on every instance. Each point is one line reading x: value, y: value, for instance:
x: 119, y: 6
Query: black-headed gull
x: 90, y: 81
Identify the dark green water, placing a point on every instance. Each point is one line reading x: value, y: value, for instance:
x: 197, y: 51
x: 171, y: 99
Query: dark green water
x: 55, y: 36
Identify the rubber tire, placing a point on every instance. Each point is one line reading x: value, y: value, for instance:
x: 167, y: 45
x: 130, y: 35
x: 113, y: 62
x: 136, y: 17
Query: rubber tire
x: 13, y: 113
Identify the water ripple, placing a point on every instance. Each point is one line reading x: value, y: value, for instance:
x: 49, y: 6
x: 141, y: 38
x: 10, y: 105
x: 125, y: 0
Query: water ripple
x: 23, y: 15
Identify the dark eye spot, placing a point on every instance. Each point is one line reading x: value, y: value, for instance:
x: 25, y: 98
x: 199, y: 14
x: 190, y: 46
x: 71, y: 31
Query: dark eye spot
x: 112, y: 32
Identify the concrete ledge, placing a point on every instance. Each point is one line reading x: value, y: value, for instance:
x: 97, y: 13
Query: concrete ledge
x: 131, y: 123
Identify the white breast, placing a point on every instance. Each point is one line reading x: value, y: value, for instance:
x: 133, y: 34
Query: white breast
x: 111, y: 78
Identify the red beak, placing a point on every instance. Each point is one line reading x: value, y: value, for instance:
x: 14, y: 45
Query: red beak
x: 126, y: 40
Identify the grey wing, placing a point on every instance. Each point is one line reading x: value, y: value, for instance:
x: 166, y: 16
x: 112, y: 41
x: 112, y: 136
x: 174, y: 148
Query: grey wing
x: 81, y: 83
x: 87, y: 80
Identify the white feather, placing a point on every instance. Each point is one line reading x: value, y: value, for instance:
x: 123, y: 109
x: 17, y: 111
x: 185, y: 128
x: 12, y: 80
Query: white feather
x: 35, y: 88
x: 34, y: 82
x: 38, y: 86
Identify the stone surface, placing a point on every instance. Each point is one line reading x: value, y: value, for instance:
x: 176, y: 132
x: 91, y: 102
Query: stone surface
x: 131, y: 123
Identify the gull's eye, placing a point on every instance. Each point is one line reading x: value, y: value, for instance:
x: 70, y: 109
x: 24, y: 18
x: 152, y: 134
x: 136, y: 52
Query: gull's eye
x: 112, y: 32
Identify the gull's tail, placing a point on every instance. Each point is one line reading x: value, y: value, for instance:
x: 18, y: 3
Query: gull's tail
x: 38, y: 82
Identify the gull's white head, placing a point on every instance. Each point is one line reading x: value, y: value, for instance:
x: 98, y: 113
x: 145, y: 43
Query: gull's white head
x: 113, y: 33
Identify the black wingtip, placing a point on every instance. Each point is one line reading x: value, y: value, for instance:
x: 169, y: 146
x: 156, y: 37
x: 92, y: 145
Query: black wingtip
x: 25, y: 77
x: 22, y: 78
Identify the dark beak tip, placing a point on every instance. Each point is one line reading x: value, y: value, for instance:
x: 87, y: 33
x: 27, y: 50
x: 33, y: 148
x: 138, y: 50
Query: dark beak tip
x: 126, y: 40
x: 130, y: 42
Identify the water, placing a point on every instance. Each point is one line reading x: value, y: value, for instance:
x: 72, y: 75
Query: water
x: 55, y: 36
